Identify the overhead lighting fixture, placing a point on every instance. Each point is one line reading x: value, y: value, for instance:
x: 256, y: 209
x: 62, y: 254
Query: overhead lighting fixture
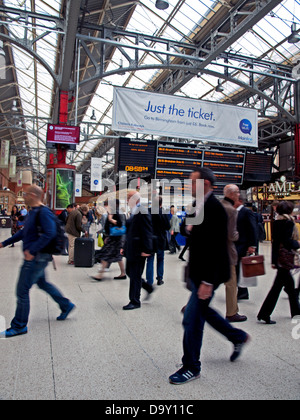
x: 294, y: 37
x: 161, y: 4
x: 219, y: 87
x: 14, y: 108
x: 93, y: 116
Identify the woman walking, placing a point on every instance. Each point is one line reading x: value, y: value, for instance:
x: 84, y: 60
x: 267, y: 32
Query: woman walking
x: 110, y: 253
x: 285, y: 236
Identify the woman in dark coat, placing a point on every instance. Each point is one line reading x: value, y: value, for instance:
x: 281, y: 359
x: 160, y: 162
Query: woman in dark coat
x: 285, y: 235
x: 110, y: 252
x: 14, y: 221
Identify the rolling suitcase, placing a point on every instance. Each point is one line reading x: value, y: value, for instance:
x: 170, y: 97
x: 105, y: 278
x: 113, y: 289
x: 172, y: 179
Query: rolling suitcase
x: 84, y: 252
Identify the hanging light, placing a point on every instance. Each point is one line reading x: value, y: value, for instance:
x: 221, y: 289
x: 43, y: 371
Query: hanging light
x: 294, y: 37
x: 14, y: 108
x: 161, y: 4
x: 219, y: 87
x: 93, y: 116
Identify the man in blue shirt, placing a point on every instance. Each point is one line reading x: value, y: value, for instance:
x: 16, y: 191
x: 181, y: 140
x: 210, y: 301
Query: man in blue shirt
x: 39, y: 230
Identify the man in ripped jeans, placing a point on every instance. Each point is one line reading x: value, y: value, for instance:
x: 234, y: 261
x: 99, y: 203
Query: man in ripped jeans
x: 39, y: 230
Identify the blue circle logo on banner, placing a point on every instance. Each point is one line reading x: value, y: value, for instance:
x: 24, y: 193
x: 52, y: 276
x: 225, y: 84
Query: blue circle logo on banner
x: 245, y: 126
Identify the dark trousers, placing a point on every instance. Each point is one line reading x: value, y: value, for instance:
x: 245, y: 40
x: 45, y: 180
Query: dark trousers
x: 134, y: 270
x: 283, y: 279
x: 187, y: 245
x: 196, y: 313
x: 173, y: 245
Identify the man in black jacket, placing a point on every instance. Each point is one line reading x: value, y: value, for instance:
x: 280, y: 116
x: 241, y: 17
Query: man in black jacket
x: 138, y: 246
x: 209, y: 266
x: 161, y: 225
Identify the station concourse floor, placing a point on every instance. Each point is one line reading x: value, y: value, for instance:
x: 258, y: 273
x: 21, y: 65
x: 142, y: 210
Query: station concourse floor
x: 102, y: 352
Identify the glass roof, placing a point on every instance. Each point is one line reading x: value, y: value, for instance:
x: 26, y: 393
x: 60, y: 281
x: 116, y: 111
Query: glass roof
x: 266, y: 40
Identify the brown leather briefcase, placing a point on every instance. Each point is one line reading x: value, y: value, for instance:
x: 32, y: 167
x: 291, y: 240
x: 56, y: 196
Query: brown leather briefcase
x: 253, y: 266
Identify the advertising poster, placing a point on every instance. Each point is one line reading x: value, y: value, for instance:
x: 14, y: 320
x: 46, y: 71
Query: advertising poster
x: 78, y: 185
x: 64, y: 188
x: 136, y: 111
x: 96, y: 174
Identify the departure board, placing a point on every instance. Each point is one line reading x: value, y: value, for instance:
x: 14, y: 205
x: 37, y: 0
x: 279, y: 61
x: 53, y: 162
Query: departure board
x: 166, y: 160
x: 137, y: 156
x: 179, y: 160
x: 172, y: 174
x: 258, y: 166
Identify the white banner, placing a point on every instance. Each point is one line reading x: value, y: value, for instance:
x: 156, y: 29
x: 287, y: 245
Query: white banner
x: 96, y: 174
x: 78, y: 185
x: 12, y: 166
x: 136, y: 111
x: 4, y: 158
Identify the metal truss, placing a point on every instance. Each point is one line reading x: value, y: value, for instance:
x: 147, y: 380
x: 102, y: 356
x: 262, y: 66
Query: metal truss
x: 185, y: 60
x: 269, y: 87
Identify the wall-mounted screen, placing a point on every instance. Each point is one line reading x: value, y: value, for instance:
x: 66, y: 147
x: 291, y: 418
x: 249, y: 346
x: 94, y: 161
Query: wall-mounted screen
x: 63, y: 134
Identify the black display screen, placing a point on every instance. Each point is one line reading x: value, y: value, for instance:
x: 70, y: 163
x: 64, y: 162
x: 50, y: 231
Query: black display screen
x: 179, y: 160
x: 258, y: 166
x: 137, y: 156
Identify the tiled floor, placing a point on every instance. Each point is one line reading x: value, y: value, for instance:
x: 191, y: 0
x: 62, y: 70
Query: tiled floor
x: 103, y: 352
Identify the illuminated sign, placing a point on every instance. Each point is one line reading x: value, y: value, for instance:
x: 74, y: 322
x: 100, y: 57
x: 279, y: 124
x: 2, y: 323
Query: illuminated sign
x: 137, y: 157
x: 63, y: 134
x: 179, y: 160
x: 282, y: 188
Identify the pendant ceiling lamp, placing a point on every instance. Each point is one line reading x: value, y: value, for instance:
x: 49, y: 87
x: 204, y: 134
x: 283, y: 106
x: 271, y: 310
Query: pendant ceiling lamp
x: 161, y: 4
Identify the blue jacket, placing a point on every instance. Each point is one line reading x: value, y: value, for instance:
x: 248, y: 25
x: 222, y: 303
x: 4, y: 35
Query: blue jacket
x: 36, y: 234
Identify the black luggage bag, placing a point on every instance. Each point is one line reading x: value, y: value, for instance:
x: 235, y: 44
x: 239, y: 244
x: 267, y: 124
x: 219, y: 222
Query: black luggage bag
x: 84, y: 252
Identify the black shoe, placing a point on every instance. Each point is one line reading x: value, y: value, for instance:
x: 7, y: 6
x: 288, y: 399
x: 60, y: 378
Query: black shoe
x: 120, y: 278
x: 183, y: 376
x: 149, y: 293
x: 131, y: 306
x: 160, y: 282
x: 267, y: 320
x: 238, y: 349
x: 243, y: 293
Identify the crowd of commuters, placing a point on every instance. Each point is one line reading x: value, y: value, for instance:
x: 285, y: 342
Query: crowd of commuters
x: 143, y: 235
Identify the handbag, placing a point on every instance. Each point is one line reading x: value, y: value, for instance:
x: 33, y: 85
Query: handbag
x: 286, y: 259
x: 100, y: 241
x: 253, y: 266
x: 117, y: 231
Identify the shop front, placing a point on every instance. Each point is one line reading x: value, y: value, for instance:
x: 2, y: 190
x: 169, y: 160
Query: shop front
x: 268, y: 196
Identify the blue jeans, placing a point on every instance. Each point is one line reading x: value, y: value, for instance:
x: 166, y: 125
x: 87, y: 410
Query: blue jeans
x: 196, y: 313
x: 33, y: 272
x: 160, y: 266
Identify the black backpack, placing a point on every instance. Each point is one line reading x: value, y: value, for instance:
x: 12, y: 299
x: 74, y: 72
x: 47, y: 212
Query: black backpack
x: 56, y: 246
